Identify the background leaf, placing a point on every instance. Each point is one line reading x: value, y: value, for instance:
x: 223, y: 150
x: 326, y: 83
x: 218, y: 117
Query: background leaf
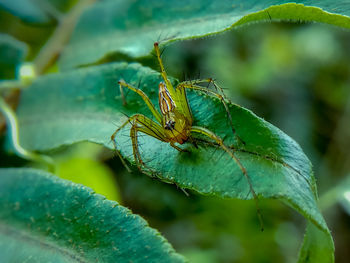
x: 12, y: 53
x: 86, y: 105
x: 28, y: 11
x: 319, y: 251
x: 131, y: 28
x: 43, y: 218
x: 80, y: 164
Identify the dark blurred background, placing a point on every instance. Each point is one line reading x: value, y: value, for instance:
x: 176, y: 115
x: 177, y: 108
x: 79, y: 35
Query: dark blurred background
x: 294, y: 75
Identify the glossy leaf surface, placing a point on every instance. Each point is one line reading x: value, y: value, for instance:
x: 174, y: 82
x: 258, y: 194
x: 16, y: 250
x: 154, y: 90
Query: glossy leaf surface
x: 47, y: 219
x: 131, y: 28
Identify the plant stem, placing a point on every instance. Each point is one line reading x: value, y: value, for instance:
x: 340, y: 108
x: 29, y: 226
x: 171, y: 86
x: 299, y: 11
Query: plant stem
x: 50, y: 51
x: 12, y: 126
x: 11, y: 84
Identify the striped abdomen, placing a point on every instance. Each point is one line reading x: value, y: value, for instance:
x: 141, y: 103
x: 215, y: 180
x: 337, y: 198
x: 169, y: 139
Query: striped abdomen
x: 166, y: 103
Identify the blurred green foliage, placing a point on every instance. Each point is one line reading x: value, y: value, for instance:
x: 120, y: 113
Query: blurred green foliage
x: 12, y: 53
x: 296, y: 76
x: 81, y: 164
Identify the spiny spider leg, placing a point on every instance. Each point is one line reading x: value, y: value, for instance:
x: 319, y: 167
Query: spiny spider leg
x: 141, y: 123
x: 148, y: 102
x: 135, y: 146
x: 193, y: 85
x: 150, y: 127
x: 219, y: 141
x: 172, y: 144
x: 208, y: 81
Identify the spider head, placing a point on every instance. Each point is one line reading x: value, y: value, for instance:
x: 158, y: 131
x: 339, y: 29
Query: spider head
x: 170, y: 125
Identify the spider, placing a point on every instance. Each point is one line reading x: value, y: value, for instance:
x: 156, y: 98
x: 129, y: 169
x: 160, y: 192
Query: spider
x: 174, y: 121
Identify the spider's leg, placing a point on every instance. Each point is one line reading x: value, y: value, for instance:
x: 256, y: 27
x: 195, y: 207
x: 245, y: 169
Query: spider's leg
x: 219, y: 141
x: 139, y: 123
x: 172, y: 144
x: 115, y: 143
x: 194, y: 85
x: 162, y: 69
x: 207, y: 81
x: 143, y: 124
x: 148, y: 102
x: 135, y: 146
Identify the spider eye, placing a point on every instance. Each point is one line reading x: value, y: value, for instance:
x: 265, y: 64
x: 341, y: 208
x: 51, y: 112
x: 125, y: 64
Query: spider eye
x: 170, y: 125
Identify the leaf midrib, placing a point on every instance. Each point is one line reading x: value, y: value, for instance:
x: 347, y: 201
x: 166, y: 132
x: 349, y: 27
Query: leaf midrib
x: 102, y: 117
x: 273, y: 159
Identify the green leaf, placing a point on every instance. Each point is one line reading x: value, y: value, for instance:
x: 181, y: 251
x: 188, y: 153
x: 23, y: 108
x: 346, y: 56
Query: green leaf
x: 12, y: 52
x: 320, y: 251
x: 47, y: 219
x: 130, y: 27
x: 86, y: 105
x: 337, y: 194
x: 28, y: 11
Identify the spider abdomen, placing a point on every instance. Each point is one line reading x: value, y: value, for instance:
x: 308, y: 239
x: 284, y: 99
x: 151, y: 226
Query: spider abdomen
x: 166, y: 102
